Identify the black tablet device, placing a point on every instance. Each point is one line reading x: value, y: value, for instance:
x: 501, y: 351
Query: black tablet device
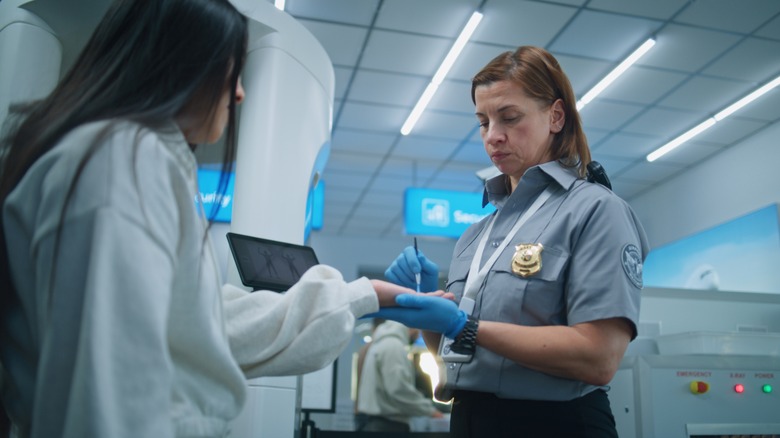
x: 269, y: 264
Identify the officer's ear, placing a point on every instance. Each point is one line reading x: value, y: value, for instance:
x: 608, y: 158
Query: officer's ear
x: 557, y: 116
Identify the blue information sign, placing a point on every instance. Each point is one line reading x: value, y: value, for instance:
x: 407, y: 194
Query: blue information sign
x: 208, y: 183
x: 442, y: 212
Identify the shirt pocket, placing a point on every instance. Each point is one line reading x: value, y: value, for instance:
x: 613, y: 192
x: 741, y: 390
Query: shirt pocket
x: 534, y: 300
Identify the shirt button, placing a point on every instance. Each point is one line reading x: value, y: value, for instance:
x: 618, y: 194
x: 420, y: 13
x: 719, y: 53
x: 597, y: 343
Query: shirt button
x: 495, y: 243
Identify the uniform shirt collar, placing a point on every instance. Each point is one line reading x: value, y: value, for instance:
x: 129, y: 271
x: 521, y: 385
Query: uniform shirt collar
x: 497, y: 189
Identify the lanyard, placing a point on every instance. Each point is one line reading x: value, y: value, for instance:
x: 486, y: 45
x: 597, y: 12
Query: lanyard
x: 477, y: 276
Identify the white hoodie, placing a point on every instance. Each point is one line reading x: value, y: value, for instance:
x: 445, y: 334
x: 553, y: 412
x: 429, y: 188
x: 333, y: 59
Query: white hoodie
x: 128, y: 331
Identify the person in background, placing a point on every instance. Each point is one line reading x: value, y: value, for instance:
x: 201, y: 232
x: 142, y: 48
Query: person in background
x: 360, y: 419
x: 387, y: 395
x: 115, y: 322
x: 549, y: 285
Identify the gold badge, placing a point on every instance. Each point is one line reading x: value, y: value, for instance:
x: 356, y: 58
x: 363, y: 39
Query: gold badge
x: 527, y: 260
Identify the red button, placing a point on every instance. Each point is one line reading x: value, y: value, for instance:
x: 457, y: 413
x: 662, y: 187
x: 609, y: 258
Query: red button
x: 699, y: 387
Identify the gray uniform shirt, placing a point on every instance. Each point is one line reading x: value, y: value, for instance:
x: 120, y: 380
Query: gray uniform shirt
x: 594, y: 247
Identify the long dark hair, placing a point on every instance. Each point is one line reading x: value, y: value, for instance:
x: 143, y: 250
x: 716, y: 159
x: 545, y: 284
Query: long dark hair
x: 144, y: 62
x: 543, y: 79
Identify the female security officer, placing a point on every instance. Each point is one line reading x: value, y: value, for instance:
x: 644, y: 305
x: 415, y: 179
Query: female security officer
x: 548, y: 286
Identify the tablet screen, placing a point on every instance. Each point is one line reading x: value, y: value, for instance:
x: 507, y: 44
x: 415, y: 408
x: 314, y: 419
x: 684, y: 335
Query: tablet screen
x: 269, y: 264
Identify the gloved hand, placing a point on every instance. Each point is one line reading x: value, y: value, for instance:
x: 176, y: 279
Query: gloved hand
x: 426, y: 312
x: 407, y: 264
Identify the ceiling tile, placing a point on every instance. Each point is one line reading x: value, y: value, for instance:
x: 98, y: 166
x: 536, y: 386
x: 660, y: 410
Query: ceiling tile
x: 419, y: 147
x: 705, y: 94
x: 374, y: 216
x: 766, y: 107
x: 691, y: 153
x: 613, y: 165
x: 342, y: 77
x: 357, y: 12
x: 627, y: 189
x: 604, y: 36
x: 743, y: 16
x: 583, y: 73
x: 763, y: 57
x: 472, y: 152
x: 351, y: 162
x: 404, y: 53
x: 655, y: 172
x: 371, y: 117
x: 625, y: 145
x: 595, y: 136
x: 660, y: 122
x: 453, y: 96
x: 601, y: 114
x: 405, y: 172
x: 430, y: 17
x: 346, y: 180
x: 366, y: 142
x: 771, y: 29
x: 342, y: 43
x: 445, y: 125
x: 658, y: 9
x: 687, y: 49
x: 465, y: 175
x: 516, y: 22
x: 457, y: 185
x: 336, y: 195
x: 474, y: 56
x: 378, y: 199
x: 396, y: 89
x: 330, y: 223
x: 729, y: 130
x: 643, y: 85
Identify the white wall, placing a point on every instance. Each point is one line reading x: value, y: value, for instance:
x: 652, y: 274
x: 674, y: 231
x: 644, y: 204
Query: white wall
x: 737, y: 181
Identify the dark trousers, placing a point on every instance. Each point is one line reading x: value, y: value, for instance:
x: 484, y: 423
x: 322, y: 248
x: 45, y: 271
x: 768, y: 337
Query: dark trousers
x: 374, y: 423
x: 482, y: 415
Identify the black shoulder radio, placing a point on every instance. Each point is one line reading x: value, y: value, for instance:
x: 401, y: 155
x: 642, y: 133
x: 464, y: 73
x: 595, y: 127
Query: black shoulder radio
x: 597, y: 174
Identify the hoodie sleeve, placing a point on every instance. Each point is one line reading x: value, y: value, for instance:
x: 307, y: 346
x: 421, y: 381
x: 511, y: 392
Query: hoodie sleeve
x: 299, y: 331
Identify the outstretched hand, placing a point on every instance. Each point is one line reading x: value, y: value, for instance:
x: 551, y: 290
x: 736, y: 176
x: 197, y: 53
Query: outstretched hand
x: 438, y: 314
x: 386, y: 292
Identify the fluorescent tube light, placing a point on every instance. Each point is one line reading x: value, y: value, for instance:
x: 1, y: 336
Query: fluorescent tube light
x: 614, y: 74
x: 698, y: 129
x: 701, y: 127
x: 460, y: 43
x: 444, y: 68
x: 279, y: 4
x: 418, y: 109
x: 734, y: 107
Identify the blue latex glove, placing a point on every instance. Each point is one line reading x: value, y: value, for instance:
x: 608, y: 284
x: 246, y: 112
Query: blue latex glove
x: 407, y: 264
x: 426, y: 312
